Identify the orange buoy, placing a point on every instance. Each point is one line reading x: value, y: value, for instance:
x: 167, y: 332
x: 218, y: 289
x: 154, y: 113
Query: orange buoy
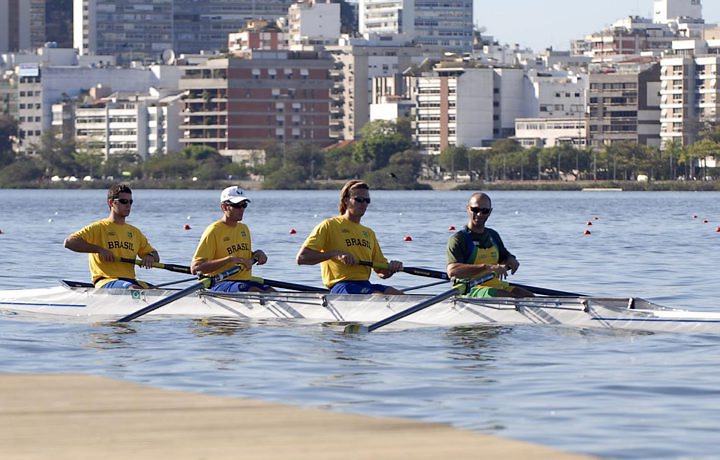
x: 587, y: 232
x: 717, y: 229
x: 705, y: 221
x: 451, y: 228
x: 186, y: 226
x: 408, y: 238
x: 292, y: 231
x: 589, y: 223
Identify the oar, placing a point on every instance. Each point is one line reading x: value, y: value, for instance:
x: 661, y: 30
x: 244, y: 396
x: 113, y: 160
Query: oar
x: 205, y: 282
x: 456, y: 290
x: 273, y: 283
x: 548, y: 292
x: 443, y: 276
x: 170, y: 267
x: 424, y: 286
x: 410, y: 270
x: 285, y: 285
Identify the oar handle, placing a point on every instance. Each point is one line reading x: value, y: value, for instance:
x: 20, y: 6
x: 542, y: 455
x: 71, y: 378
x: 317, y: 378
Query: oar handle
x: 273, y: 283
x: 410, y: 270
x: 170, y: 267
x: 548, y: 292
x: 285, y: 285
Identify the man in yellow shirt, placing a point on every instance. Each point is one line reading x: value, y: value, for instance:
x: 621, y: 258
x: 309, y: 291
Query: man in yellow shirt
x: 226, y: 243
x: 340, y: 243
x: 108, y: 240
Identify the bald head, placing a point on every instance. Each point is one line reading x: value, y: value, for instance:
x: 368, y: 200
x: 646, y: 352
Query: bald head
x: 480, y: 197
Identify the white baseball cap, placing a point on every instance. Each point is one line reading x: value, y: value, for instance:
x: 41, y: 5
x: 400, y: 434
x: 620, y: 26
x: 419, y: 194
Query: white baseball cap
x: 233, y: 194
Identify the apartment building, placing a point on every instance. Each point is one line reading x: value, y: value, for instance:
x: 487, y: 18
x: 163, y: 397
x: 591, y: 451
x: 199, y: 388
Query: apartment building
x: 357, y: 62
x: 629, y: 37
x: 122, y: 123
x: 690, y: 90
x: 446, y: 25
x: 311, y: 22
x: 141, y: 30
x: 667, y: 10
x: 237, y: 105
x: 22, y: 25
x: 459, y: 103
x: 624, y: 105
x: 33, y: 83
x: 127, y: 29
x: 550, y: 132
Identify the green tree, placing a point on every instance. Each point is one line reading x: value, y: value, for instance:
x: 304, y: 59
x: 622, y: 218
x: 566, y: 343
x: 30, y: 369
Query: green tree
x: 171, y: 166
x: 89, y: 162
x: 57, y: 155
x: 454, y: 158
x: 339, y: 164
x: 698, y: 152
x: 8, y: 132
x: 122, y: 165
x: 21, y: 172
x: 402, y: 172
x: 672, y: 154
x: 379, y: 140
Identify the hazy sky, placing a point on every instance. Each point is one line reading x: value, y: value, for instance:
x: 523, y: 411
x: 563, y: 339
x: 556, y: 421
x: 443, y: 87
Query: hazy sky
x: 542, y: 23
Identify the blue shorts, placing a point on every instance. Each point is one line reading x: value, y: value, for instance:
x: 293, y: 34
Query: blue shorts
x: 357, y: 287
x: 238, y: 286
x: 125, y: 284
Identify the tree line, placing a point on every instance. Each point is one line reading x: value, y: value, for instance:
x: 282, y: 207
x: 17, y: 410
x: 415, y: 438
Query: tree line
x: 384, y: 156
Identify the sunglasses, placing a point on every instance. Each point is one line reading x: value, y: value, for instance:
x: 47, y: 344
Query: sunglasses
x: 483, y: 211
x: 123, y: 200
x: 361, y: 200
x: 242, y: 204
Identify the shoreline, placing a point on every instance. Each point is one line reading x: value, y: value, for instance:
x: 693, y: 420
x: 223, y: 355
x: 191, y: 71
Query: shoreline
x: 449, y: 185
x: 71, y: 416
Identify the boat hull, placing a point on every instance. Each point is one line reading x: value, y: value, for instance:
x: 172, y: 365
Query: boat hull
x: 81, y: 303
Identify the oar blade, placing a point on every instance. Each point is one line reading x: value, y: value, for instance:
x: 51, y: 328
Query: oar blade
x: 356, y: 328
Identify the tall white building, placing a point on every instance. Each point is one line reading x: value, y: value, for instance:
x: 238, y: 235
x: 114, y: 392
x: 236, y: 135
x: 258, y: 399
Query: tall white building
x: 689, y: 90
x: 145, y: 125
x: 665, y: 11
x: 446, y: 25
x: 311, y: 22
x: 461, y: 104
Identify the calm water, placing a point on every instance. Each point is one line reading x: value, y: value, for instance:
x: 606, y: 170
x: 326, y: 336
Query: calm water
x: 616, y: 395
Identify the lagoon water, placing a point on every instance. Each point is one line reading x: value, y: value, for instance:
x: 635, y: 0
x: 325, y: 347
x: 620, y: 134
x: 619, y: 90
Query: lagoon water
x: 611, y: 394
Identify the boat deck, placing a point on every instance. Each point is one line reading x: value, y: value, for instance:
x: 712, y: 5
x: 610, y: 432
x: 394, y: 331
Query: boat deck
x: 70, y: 416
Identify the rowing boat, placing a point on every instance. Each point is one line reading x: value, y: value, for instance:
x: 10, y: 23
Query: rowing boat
x: 87, y: 303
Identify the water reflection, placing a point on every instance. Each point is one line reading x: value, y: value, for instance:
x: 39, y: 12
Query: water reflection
x: 477, y: 342
x: 113, y: 336
x: 220, y: 326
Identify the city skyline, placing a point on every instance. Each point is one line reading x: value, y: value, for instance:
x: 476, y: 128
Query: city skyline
x: 555, y: 23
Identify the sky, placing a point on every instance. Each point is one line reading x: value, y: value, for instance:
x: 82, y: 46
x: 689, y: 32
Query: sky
x: 543, y: 23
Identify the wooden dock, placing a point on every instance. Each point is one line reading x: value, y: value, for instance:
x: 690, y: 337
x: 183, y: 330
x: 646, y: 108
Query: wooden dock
x: 74, y: 417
